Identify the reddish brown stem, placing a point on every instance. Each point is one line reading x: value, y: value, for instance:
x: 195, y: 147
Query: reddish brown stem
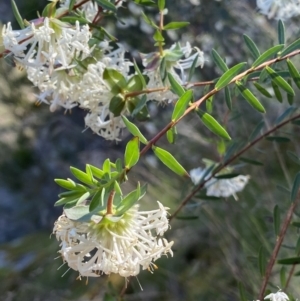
x: 109, y: 208
x: 278, y: 244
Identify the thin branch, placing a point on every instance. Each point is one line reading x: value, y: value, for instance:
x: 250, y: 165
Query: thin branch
x: 278, y: 244
x: 290, y: 276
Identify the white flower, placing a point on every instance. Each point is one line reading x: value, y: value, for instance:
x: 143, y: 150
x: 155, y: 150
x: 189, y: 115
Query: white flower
x: 110, y: 244
x: 220, y: 187
x: 279, y: 9
x: 173, y: 60
x: 279, y: 296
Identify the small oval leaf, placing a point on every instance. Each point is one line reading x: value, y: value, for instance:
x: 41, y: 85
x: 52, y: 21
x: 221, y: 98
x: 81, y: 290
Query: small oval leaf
x: 280, y: 81
x: 281, y: 32
x: 132, y: 152
x: 181, y: 105
x: 251, y: 46
x: 167, y: 159
x: 252, y: 100
x: 276, y: 219
x: 226, y: 78
x: 294, y: 46
x: 212, y: 124
x: 296, y: 186
x: 294, y: 73
x: 219, y: 61
x: 262, y: 90
x: 175, y: 85
x: 267, y: 54
x: 289, y: 261
x: 134, y: 130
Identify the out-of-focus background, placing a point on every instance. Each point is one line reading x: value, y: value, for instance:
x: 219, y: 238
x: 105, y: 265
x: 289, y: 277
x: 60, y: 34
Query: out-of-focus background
x: 215, y: 250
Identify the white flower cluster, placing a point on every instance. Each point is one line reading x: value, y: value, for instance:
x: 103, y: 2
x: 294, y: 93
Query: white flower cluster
x: 51, y: 53
x: 220, y: 187
x: 279, y: 9
x: 120, y: 245
x: 279, y: 296
x: 67, y: 66
x: 152, y: 61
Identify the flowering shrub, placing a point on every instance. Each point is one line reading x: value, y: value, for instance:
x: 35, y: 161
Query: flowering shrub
x: 75, y: 62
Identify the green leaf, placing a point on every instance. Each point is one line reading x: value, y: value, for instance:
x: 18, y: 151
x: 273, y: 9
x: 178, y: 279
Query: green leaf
x: 219, y: 61
x: 66, y: 200
x: 262, y: 90
x: 115, y: 80
x: 175, y: 85
x: 163, y: 69
x: 294, y: 73
x: 17, y: 14
x: 83, y: 198
x: 149, y: 21
x: 71, y: 5
x: 280, y: 81
x: 285, y: 114
x: 281, y: 32
x: 266, y: 55
x: 209, y: 104
x: 251, y: 46
x: 294, y: 157
x: 212, y: 124
x: 77, y: 212
x: 276, y: 219
x: 257, y: 130
x: 182, y: 104
x: 97, y: 200
x: 107, y: 5
x: 251, y: 161
x: 145, y: 2
x: 228, y: 98
x: 188, y: 217
x: 117, y: 104
x: 226, y: 176
x: 134, y: 130
x: 294, y: 46
x: 132, y: 152
x: 167, y: 159
x: 139, y: 73
x: 49, y: 10
x: 97, y: 172
x: 175, y: 25
x: 297, y: 248
x: 252, y: 100
x: 227, y: 77
x: 296, y: 224
x: 295, y: 189
x: 67, y: 184
x: 242, y: 292
x: 130, y: 199
x: 158, y: 37
x: 161, y: 5
x: 277, y: 92
x: 278, y: 139
x: 82, y: 176
x: 289, y: 261
x: 283, y: 276
x: 134, y: 84
x: 172, y: 135
x: 262, y: 261
x: 192, y: 69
